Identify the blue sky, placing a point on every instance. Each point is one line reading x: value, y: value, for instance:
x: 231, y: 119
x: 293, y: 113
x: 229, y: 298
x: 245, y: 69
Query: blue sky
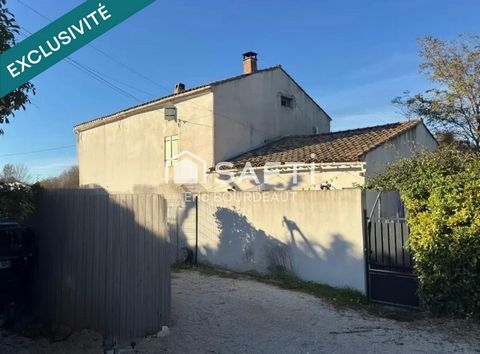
x: 352, y: 56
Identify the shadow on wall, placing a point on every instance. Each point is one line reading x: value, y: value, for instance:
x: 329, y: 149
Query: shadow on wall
x: 244, y: 247
x: 182, y: 228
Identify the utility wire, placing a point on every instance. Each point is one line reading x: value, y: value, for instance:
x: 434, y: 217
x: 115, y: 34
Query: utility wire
x: 249, y: 126
x: 112, y: 58
x: 121, y: 82
x: 94, y: 74
x: 38, y: 151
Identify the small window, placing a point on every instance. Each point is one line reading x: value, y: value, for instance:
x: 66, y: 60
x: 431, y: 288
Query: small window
x: 171, y: 150
x: 170, y: 113
x: 286, y: 101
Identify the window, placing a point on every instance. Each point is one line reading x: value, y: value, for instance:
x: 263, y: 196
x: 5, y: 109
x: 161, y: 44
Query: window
x: 171, y: 150
x: 170, y: 113
x: 286, y: 101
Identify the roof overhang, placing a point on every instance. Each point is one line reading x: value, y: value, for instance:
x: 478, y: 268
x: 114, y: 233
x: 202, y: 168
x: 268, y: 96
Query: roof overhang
x: 300, y: 166
x: 140, y: 109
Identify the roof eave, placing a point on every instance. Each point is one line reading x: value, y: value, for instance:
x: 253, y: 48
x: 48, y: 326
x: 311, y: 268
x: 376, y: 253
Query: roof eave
x: 135, y: 110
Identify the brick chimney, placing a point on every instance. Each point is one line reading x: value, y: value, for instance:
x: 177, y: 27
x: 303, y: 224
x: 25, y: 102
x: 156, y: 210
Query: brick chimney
x: 249, y: 62
x: 179, y: 88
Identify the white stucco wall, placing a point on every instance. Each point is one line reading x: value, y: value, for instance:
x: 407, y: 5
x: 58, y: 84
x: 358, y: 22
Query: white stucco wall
x: 248, y: 113
x: 404, y: 145
x: 317, y: 235
x: 377, y: 160
x: 128, y: 155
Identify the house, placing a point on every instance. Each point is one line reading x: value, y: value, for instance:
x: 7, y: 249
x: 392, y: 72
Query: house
x: 132, y: 150
x: 259, y: 131
x: 262, y: 117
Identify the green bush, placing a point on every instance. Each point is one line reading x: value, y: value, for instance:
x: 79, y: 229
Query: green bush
x: 16, y: 200
x: 441, y: 192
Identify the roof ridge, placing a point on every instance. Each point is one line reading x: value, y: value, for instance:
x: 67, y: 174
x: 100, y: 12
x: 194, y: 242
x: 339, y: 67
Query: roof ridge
x: 393, y: 134
x: 417, y: 120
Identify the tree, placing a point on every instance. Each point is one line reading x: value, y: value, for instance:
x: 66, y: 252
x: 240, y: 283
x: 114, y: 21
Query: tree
x: 15, y: 173
x: 454, y: 105
x: 18, y: 98
x: 67, y: 179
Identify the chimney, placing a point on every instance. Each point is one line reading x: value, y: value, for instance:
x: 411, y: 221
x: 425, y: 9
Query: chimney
x: 249, y: 62
x: 179, y: 88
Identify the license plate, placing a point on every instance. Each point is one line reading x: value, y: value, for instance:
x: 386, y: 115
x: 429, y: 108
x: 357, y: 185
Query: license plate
x: 5, y: 264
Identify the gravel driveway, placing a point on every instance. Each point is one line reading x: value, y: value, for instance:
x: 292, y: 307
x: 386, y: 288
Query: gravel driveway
x: 222, y: 315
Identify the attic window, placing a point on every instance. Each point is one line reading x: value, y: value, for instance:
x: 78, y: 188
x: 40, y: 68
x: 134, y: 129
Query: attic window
x: 170, y: 113
x: 286, y: 101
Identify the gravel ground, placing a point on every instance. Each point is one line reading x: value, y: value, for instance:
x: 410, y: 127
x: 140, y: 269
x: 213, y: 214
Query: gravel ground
x: 221, y: 315
x: 84, y: 342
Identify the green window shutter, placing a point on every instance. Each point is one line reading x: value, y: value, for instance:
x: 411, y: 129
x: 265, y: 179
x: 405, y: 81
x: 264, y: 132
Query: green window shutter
x: 174, y: 149
x: 171, y: 150
x: 168, y: 150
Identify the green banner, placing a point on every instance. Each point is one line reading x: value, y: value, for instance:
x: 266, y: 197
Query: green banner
x: 61, y: 38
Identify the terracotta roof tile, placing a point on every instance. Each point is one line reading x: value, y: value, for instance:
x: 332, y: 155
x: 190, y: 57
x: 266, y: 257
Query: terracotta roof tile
x: 342, y: 146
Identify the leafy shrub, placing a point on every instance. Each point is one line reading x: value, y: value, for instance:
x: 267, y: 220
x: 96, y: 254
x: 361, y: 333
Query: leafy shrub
x: 441, y: 192
x: 16, y: 200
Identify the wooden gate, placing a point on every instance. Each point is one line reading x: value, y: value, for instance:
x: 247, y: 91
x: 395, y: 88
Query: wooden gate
x: 390, y: 276
x: 103, y: 262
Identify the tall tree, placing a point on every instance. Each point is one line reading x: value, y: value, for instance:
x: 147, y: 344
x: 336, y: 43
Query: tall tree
x: 454, y: 105
x: 15, y: 173
x: 18, y: 98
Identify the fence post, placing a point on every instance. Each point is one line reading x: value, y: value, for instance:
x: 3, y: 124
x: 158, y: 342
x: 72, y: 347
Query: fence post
x: 366, y: 254
x: 196, y: 230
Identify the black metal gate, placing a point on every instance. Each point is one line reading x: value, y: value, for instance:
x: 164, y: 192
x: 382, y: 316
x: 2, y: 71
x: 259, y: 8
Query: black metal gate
x: 390, y: 277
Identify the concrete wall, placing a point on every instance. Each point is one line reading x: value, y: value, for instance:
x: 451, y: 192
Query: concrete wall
x: 248, y: 113
x: 317, y: 235
x: 128, y: 155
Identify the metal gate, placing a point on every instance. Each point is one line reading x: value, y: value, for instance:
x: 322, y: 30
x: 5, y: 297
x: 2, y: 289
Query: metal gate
x: 390, y: 277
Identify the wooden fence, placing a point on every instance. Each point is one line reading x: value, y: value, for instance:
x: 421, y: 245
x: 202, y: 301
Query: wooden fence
x: 103, y: 262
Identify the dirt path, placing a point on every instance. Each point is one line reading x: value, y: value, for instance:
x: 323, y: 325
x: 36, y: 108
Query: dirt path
x: 220, y: 315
